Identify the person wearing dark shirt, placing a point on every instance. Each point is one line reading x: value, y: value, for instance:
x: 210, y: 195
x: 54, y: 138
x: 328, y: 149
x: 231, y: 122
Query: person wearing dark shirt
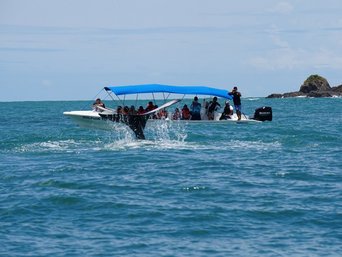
x: 141, y: 110
x: 227, y: 112
x: 98, y: 105
x: 150, y: 107
x: 237, y: 101
x: 125, y: 110
x: 213, y: 106
x: 132, y: 110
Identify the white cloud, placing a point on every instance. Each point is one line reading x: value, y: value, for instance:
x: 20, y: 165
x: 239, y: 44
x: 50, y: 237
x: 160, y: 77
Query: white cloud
x: 279, y: 42
x: 46, y: 83
x: 283, y: 55
x: 282, y: 7
x: 275, y: 60
x: 290, y: 59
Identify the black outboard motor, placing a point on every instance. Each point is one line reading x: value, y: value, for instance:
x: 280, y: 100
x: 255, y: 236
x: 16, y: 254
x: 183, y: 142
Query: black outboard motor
x: 263, y: 113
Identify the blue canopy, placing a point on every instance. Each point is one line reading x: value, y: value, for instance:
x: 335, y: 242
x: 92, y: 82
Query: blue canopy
x: 158, y: 88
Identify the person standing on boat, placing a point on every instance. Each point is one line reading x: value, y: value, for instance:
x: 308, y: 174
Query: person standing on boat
x: 98, y: 105
x: 195, y: 108
x: 213, y: 106
x: 237, y: 101
x: 204, y: 110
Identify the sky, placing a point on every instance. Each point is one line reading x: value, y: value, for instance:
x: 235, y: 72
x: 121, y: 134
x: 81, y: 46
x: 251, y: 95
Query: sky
x: 69, y: 50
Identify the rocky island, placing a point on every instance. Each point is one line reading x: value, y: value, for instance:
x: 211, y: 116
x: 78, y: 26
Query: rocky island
x: 313, y: 86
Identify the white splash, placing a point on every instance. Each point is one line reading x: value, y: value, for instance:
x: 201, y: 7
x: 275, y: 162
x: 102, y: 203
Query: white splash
x: 159, y: 134
x: 49, y: 146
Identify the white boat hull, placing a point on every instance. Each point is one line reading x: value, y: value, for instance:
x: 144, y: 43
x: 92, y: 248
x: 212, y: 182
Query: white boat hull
x: 92, y: 119
x: 89, y: 119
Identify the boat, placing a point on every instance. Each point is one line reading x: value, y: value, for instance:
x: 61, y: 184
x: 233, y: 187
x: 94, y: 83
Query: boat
x: 103, y: 118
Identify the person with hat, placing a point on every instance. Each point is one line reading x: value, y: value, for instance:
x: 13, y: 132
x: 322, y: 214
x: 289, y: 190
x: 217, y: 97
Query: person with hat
x: 227, y: 112
x: 237, y: 101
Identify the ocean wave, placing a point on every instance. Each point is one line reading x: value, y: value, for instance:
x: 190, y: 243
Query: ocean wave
x: 60, y: 146
x: 48, y: 146
x: 70, y: 146
x: 251, y: 98
x: 194, y: 188
x: 163, y: 144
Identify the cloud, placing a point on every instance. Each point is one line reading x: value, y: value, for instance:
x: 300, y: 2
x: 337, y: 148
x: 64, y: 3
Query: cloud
x: 275, y: 60
x: 46, y: 83
x: 282, y: 8
x: 289, y: 55
x: 291, y: 59
x: 29, y: 49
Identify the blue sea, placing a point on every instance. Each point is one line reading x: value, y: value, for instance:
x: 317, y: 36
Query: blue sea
x: 266, y: 189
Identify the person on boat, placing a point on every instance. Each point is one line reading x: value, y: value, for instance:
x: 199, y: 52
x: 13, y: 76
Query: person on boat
x: 195, y: 108
x: 98, y: 105
x: 155, y: 114
x: 119, y: 109
x: 132, y: 110
x: 162, y: 114
x: 150, y: 107
x: 125, y: 110
x: 141, y: 110
x: 186, y: 113
x: 176, y: 115
x: 204, y: 110
x: 213, y: 106
x: 227, y: 112
x: 237, y: 101
x: 117, y: 117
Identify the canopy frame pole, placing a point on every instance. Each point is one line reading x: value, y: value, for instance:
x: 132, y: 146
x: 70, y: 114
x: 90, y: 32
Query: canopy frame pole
x: 154, y: 100
x: 120, y: 100
x: 117, y: 98
x: 136, y: 100
x: 110, y: 95
x: 182, y: 98
x: 168, y: 96
x: 98, y: 93
x: 124, y: 100
x: 84, y: 108
x: 164, y: 98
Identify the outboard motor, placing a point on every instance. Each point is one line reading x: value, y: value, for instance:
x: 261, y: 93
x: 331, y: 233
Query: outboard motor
x: 263, y: 113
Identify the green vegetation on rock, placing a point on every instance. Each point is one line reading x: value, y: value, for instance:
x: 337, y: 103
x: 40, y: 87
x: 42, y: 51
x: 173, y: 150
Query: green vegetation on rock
x: 313, y: 78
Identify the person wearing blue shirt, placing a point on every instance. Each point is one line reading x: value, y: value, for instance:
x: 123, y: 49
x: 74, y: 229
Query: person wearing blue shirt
x: 195, y: 108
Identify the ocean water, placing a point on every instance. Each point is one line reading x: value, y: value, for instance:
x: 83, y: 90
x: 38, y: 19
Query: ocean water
x: 268, y: 189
